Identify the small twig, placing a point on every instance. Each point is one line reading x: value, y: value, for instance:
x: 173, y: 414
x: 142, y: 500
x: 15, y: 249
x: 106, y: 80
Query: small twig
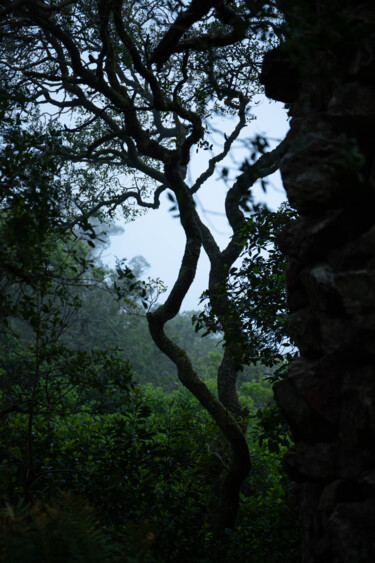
x: 225, y: 465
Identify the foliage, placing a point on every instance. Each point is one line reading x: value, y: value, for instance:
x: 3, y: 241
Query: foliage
x: 139, y: 468
x: 258, y: 286
x: 64, y: 531
x: 257, y: 290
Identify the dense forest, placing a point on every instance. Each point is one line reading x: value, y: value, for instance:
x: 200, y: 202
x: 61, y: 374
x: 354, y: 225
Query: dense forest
x: 132, y: 430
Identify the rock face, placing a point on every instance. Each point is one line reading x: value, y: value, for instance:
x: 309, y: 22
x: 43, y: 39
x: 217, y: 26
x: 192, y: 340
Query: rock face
x: 329, y: 175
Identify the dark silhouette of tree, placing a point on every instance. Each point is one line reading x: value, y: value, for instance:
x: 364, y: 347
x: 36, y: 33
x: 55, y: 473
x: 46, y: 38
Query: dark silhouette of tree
x: 325, y: 70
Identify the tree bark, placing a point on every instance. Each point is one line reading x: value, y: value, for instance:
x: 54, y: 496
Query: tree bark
x: 239, y: 465
x: 328, y: 173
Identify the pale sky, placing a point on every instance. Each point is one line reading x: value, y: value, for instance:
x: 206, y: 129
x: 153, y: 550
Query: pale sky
x: 159, y: 237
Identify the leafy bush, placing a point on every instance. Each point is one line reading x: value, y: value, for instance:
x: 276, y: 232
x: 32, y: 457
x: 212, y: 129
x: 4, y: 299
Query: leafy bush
x: 151, y: 471
x: 64, y: 531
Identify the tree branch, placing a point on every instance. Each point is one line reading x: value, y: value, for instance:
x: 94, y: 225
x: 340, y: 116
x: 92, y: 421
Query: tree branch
x: 196, y: 11
x: 227, y: 146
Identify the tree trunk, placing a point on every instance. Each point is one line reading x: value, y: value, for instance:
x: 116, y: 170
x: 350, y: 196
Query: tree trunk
x: 239, y: 465
x: 326, y: 70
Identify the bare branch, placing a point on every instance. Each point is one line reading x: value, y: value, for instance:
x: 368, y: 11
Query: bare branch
x: 227, y: 146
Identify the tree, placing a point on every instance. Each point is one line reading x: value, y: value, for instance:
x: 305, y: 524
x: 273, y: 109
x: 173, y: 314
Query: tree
x: 138, y: 86
x: 44, y: 274
x: 328, y: 173
x: 257, y: 290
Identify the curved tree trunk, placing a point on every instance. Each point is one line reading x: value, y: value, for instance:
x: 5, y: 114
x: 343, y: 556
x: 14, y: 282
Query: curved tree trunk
x: 239, y: 465
x: 230, y: 418
x: 326, y: 69
x: 221, y: 263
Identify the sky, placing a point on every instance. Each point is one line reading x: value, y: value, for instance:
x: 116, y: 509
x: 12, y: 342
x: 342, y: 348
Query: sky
x: 159, y: 237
